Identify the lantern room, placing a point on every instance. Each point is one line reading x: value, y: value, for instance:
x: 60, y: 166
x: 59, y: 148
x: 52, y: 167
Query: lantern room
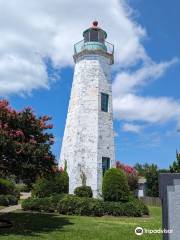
x: 94, y: 42
x: 94, y: 34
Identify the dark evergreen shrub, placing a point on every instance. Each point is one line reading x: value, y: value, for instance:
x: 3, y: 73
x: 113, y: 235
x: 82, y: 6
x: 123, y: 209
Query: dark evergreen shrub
x: 37, y: 204
x: 7, y: 200
x: 83, y: 191
x: 6, y: 186
x: 73, y: 205
x: 53, y: 185
x: 115, y: 186
x: 47, y: 204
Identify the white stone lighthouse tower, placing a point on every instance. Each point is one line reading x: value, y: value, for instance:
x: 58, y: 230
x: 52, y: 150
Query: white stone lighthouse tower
x: 88, y: 142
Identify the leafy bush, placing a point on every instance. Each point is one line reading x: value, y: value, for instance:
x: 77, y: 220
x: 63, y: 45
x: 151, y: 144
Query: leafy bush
x: 115, y: 186
x: 131, y: 174
x: 53, y: 185
x: 130, y: 209
x: 6, y: 200
x: 72, y: 205
x: 133, y: 208
x: 37, y: 204
x: 6, y: 186
x: 47, y: 204
x: 83, y: 191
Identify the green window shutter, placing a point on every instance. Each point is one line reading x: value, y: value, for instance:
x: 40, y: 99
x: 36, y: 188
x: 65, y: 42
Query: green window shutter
x: 104, y: 102
x: 105, y: 164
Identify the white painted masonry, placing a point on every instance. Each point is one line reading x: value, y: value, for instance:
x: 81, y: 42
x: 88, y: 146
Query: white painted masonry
x: 88, y: 134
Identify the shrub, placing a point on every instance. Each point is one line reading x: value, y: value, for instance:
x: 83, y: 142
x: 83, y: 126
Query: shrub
x: 6, y: 186
x: 6, y: 200
x: 133, y: 208
x: 53, y: 185
x: 47, y: 204
x: 115, y: 186
x: 83, y: 191
x: 37, y: 204
x: 72, y: 205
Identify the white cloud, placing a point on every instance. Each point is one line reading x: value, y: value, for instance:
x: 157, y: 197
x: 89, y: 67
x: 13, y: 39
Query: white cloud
x: 130, y: 82
x: 31, y: 30
x: 130, y: 106
x: 129, y: 127
x: 153, y: 110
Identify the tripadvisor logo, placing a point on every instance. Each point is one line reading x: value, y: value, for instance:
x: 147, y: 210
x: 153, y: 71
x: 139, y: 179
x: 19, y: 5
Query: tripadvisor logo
x: 139, y: 231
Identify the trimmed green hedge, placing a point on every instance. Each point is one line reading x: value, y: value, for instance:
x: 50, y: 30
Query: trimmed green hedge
x: 73, y: 205
x: 46, y: 204
x: 115, y: 186
x: 53, y: 185
x: 7, y: 200
x: 83, y: 191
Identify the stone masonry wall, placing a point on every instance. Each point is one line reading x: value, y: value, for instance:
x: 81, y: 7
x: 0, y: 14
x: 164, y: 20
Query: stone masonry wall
x: 88, y: 134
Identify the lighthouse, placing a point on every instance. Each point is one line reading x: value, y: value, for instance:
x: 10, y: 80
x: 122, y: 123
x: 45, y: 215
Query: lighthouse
x: 88, y: 143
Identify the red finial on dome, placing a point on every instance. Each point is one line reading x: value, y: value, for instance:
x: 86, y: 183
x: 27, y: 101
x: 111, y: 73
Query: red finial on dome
x: 95, y: 24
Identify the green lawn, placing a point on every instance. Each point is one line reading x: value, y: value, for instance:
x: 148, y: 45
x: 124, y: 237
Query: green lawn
x: 53, y: 226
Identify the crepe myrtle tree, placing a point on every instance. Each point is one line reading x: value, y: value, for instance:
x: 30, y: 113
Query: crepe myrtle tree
x: 25, y: 144
x: 131, y: 174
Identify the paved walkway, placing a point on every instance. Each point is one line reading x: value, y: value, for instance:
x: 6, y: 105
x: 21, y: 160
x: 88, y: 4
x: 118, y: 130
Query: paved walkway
x: 10, y: 209
x: 24, y: 195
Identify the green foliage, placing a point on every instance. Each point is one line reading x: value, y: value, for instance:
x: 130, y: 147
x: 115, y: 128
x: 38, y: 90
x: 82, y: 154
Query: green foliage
x: 142, y: 169
x: 152, y: 177
x: 115, y: 186
x: 38, y: 204
x: 132, y: 182
x: 47, y: 204
x: 6, y: 200
x: 83, y: 191
x: 175, y: 167
x: 131, y: 174
x: 6, y: 186
x: 151, y: 173
x: 73, y: 205
x: 55, y: 184
x: 133, y: 208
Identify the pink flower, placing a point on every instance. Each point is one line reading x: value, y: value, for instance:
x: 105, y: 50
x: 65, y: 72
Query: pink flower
x: 19, y: 133
x: 126, y: 168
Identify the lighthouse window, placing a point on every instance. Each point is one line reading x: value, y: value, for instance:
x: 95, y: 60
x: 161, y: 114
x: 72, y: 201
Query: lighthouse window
x: 104, y: 102
x: 94, y: 36
x: 105, y: 164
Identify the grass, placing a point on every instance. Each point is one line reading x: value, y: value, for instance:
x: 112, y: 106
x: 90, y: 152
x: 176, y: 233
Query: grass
x: 42, y: 226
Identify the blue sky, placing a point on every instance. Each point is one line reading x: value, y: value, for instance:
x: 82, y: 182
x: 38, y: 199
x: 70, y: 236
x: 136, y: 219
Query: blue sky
x: 36, y: 68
